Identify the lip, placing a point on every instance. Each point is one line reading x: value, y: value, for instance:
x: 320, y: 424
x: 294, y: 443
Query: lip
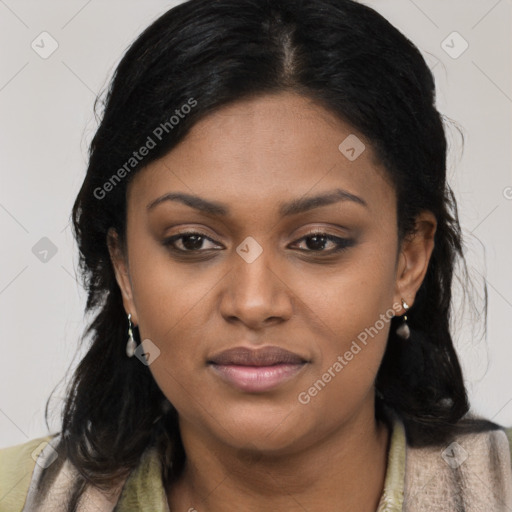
x: 265, y: 356
x: 256, y: 370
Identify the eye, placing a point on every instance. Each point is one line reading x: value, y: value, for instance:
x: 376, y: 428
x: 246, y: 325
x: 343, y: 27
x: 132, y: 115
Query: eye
x: 191, y: 241
x: 316, y: 242
x: 319, y: 240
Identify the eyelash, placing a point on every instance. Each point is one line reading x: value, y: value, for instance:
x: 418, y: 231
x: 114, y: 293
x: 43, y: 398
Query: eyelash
x: 341, y: 243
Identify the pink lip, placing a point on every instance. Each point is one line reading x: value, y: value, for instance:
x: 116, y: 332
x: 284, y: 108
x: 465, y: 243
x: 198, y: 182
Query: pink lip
x: 257, y: 378
x: 256, y: 370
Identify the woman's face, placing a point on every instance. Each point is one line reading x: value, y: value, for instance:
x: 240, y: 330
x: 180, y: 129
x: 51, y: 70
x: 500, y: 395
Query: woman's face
x: 255, y: 276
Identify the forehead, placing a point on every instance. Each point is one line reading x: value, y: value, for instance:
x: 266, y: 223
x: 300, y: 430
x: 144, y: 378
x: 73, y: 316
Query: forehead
x: 266, y: 150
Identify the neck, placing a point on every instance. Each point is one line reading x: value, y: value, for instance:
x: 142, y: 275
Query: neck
x: 344, y: 471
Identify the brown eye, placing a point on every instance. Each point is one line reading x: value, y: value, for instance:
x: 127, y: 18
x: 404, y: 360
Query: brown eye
x: 190, y: 241
x: 317, y: 242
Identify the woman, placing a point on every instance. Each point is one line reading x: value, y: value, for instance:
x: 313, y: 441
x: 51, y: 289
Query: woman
x: 268, y: 242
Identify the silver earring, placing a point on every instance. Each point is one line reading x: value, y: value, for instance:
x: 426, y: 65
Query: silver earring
x: 130, y: 345
x: 403, y: 330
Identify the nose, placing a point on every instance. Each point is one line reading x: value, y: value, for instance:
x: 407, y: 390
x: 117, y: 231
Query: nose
x: 256, y: 292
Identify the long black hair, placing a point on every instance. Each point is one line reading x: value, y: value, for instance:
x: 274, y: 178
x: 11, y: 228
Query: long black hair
x: 202, y: 55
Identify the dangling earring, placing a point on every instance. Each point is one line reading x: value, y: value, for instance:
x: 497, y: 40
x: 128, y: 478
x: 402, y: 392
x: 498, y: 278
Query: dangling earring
x: 130, y: 345
x: 403, y: 330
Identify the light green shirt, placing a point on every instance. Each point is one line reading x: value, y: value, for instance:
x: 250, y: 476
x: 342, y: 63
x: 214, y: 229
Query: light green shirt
x: 143, y: 490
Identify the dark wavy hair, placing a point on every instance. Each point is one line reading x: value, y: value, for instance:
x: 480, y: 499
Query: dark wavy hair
x: 348, y: 59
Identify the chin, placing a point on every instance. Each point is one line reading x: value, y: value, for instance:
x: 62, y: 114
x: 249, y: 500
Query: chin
x: 262, y: 430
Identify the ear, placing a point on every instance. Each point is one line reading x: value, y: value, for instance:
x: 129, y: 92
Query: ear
x: 119, y: 260
x: 414, y: 258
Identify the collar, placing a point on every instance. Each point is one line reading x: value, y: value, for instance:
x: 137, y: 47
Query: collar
x: 144, y: 490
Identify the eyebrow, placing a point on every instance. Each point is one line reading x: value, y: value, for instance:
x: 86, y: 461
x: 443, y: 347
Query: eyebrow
x: 288, y: 209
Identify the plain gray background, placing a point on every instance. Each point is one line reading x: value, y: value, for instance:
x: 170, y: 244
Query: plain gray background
x: 47, y: 122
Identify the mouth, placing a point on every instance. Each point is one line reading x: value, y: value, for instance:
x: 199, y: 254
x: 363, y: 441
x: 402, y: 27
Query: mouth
x: 258, y: 370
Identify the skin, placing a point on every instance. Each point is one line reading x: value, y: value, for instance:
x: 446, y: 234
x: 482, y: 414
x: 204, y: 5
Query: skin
x: 268, y: 451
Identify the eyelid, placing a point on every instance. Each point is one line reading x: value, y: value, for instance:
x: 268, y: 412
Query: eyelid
x: 341, y: 243
x: 313, y: 231
x: 168, y: 241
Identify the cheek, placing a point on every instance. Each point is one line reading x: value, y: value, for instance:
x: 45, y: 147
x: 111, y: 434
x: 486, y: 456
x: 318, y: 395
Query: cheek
x: 169, y: 297
x: 349, y: 354
x: 348, y: 362
x: 355, y: 309
x: 354, y: 297
x: 174, y: 308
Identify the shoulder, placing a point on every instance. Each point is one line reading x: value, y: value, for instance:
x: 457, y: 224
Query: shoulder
x: 23, y: 465
x: 471, y: 470
x: 17, y: 465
